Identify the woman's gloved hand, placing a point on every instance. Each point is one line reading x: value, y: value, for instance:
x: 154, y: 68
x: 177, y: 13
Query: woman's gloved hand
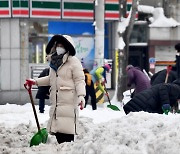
x: 30, y: 82
x: 81, y: 101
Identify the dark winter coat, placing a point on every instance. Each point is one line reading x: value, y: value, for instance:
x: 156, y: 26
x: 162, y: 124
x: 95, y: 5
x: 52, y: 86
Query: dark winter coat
x: 152, y: 99
x: 43, y: 91
x: 160, y: 77
x: 138, y: 78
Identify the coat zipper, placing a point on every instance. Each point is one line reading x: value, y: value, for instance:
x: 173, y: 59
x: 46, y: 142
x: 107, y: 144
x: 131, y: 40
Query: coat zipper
x: 75, y: 122
x: 57, y: 88
x: 56, y: 95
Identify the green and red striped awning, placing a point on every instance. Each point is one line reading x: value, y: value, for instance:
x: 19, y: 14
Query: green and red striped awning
x: 111, y: 10
x: 78, y: 9
x: 5, y: 9
x: 20, y: 8
x: 59, y: 9
x: 45, y: 8
x: 128, y: 8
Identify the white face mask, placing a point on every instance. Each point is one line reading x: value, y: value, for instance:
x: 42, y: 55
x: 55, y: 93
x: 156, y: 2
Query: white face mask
x: 60, y: 50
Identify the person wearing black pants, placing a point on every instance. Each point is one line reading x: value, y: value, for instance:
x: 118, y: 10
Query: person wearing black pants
x: 43, y: 91
x: 60, y: 137
x: 90, y: 91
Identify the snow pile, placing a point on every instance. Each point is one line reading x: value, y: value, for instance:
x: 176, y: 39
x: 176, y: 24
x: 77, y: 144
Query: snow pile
x: 159, y: 19
x: 146, y: 9
x: 103, y: 131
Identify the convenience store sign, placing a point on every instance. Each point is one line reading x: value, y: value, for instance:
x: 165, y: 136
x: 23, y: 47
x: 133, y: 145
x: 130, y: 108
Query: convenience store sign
x: 60, y: 9
x: 5, y: 9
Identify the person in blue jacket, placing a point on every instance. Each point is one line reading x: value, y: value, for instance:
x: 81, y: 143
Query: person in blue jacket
x: 99, y: 76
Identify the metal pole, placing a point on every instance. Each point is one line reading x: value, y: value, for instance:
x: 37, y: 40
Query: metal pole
x: 99, y: 32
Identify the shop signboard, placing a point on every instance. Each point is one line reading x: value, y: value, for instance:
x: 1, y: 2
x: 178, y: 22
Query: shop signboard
x: 45, y: 8
x: 111, y: 10
x: 83, y: 36
x: 5, y: 9
x: 78, y: 9
x: 152, y: 62
x: 20, y: 8
x: 128, y: 8
x: 57, y: 9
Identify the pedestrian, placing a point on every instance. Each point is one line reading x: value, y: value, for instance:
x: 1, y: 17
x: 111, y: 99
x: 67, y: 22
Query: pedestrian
x: 100, y: 76
x: 90, y: 91
x: 67, y: 91
x: 160, y: 76
x: 43, y: 91
x: 137, y: 78
x: 160, y: 98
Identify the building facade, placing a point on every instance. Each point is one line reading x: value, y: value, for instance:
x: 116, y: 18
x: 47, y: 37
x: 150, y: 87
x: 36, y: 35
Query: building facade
x: 27, y: 25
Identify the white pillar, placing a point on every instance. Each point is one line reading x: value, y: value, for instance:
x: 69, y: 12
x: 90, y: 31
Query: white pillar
x: 10, y: 54
x: 24, y: 54
x: 99, y: 32
x: 5, y: 54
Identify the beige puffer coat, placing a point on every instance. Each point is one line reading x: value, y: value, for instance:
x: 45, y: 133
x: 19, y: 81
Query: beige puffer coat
x: 66, y: 85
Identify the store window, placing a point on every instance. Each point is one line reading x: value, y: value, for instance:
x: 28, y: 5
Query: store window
x: 40, y: 31
x: 139, y: 34
x: 38, y: 39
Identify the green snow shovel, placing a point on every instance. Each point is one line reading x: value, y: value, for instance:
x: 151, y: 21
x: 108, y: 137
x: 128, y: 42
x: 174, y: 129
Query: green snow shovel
x: 42, y: 134
x: 113, y: 107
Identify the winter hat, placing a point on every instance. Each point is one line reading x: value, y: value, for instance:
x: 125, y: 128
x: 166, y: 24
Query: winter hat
x: 128, y: 67
x: 177, y: 82
x: 177, y: 47
x: 107, y: 67
x: 66, y: 40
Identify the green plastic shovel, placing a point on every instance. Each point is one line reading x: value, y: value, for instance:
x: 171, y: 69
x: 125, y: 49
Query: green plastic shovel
x: 40, y: 137
x: 42, y: 134
x: 113, y: 107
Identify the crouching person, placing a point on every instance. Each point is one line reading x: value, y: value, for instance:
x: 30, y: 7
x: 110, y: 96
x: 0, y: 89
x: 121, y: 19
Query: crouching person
x: 159, y: 98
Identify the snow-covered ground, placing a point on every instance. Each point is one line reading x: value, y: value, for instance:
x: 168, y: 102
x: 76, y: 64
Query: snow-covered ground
x: 103, y: 131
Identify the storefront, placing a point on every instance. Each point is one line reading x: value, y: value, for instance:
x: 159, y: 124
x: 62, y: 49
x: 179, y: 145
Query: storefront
x: 27, y: 26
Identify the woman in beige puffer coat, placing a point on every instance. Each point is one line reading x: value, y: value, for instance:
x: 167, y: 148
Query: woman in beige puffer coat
x: 67, y: 91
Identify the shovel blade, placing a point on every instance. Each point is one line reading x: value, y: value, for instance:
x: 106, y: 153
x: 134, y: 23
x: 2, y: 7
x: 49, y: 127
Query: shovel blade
x: 113, y: 107
x: 40, y: 137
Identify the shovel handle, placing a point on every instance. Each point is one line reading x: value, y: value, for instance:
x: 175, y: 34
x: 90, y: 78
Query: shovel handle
x: 28, y: 88
x: 169, y: 68
x: 107, y: 94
